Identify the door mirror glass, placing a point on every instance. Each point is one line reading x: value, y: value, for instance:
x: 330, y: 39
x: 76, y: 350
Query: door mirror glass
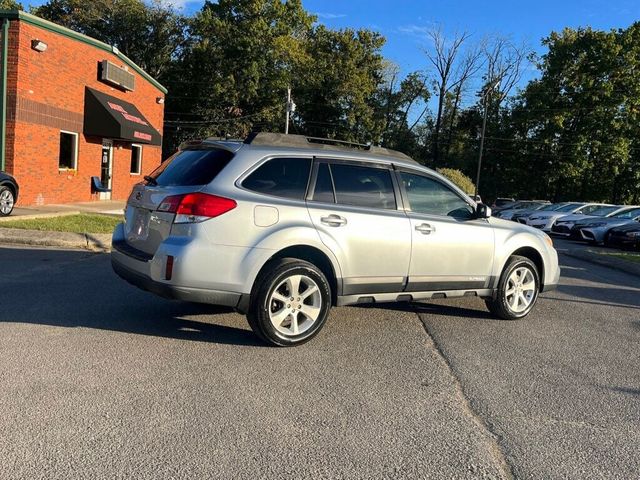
x: 483, y: 211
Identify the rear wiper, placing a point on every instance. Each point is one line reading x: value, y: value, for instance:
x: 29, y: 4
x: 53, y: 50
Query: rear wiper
x: 150, y: 180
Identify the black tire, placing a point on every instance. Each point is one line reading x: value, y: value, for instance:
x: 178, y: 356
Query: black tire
x: 607, y: 240
x: 500, y: 305
x: 7, y: 200
x: 273, y: 275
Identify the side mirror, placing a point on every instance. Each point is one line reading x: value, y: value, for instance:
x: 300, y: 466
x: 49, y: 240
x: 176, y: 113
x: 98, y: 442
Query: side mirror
x: 483, y: 211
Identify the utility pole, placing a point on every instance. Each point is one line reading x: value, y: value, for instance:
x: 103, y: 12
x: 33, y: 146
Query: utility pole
x: 291, y: 107
x: 485, y: 94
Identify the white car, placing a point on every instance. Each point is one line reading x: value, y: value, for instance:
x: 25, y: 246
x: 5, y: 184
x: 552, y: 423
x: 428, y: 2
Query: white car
x: 563, y: 225
x: 508, y: 213
x: 545, y: 220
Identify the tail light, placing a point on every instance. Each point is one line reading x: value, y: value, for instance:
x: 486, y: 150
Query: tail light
x: 196, y: 207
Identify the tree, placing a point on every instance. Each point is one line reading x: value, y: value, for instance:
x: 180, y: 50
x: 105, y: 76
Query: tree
x: 150, y: 34
x: 460, y: 179
x: 10, y: 5
x: 444, y: 57
x: 336, y: 94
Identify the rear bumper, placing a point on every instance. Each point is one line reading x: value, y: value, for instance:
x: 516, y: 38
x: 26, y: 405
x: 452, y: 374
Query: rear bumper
x: 166, y: 290
x: 200, y: 273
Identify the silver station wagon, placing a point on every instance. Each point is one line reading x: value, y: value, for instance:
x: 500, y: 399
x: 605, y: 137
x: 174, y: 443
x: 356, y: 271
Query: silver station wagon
x: 282, y: 227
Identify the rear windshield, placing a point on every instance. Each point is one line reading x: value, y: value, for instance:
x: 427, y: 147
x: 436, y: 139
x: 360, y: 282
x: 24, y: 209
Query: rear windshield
x: 191, y: 167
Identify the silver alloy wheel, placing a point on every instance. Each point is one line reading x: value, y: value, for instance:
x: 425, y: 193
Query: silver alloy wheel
x: 6, y: 202
x: 294, y: 305
x: 521, y: 289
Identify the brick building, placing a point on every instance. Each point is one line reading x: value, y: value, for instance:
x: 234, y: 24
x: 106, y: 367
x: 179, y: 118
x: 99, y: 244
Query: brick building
x: 73, y: 108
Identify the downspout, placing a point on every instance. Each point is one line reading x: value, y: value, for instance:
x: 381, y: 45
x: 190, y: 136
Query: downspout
x: 3, y: 92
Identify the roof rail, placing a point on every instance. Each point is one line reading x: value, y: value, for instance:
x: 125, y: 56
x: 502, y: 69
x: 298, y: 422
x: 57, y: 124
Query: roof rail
x: 302, y: 141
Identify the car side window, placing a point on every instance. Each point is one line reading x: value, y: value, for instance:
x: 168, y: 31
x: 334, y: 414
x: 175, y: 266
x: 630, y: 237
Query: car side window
x: 281, y: 177
x: 429, y: 196
x: 363, y: 186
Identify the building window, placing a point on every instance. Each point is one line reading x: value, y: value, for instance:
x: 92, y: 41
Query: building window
x: 68, y: 158
x: 136, y: 159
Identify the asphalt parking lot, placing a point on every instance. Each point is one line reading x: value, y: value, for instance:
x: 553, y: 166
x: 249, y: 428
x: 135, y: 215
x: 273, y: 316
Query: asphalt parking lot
x: 100, y: 380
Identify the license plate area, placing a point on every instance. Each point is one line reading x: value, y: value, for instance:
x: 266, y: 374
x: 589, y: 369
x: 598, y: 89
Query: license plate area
x: 138, y: 225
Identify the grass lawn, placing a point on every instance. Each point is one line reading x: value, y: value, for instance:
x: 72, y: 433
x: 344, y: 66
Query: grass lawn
x: 83, y: 223
x: 632, y: 257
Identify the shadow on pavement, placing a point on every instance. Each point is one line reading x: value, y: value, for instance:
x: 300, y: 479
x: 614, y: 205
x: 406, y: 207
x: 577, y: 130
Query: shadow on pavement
x: 79, y: 289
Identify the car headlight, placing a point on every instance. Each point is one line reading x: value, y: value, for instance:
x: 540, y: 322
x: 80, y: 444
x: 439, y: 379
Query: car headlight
x: 535, y: 218
x: 595, y: 225
x: 633, y: 234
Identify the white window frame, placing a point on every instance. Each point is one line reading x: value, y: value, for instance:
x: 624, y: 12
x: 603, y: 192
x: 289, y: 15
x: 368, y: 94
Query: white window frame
x: 136, y: 145
x: 75, y: 152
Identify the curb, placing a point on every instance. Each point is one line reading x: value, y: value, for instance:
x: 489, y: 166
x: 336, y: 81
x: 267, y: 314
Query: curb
x: 100, y: 242
x: 605, y: 261
x: 12, y: 218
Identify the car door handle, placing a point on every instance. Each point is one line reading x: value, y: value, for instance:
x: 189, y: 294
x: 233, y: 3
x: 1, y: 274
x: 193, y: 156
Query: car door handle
x: 334, y: 220
x: 425, y: 228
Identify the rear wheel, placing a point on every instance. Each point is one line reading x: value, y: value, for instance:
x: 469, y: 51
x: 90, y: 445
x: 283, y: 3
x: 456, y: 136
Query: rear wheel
x: 290, y: 302
x: 517, y: 290
x: 7, y: 201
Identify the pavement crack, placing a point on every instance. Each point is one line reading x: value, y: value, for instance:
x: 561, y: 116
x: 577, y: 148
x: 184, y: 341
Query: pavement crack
x: 493, y: 439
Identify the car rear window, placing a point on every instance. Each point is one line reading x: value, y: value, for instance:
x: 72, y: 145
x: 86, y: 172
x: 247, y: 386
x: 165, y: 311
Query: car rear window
x: 281, y: 177
x: 191, y: 167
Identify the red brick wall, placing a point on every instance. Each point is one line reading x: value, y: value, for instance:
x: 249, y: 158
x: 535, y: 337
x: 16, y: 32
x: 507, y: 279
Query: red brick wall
x: 57, y: 78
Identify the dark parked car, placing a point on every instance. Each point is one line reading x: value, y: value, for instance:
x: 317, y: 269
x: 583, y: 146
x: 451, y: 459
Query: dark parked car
x: 626, y: 236
x: 502, y: 202
x: 8, y: 193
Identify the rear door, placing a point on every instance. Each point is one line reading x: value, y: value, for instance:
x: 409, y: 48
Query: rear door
x: 451, y: 249
x: 355, y: 207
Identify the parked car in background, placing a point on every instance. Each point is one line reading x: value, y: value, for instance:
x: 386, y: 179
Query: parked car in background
x: 283, y: 227
x: 562, y: 226
x: 8, y: 193
x: 626, y: 236
x: 545, y: 220
x: 522, y: 215
x: 507, y: 213
x: 596, y: 230
x: 502, y: 202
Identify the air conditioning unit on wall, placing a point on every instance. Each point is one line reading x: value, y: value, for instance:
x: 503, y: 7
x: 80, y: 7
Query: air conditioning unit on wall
x: 117, y: 76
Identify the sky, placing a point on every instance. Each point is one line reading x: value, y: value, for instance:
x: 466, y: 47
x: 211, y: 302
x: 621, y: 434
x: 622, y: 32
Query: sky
x: 405, y: 23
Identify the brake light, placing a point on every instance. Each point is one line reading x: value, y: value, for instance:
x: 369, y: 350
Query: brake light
x: 196, y: 207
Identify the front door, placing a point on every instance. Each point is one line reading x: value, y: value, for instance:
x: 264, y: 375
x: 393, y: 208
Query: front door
x: 451, y: 250
x: 106, y: 168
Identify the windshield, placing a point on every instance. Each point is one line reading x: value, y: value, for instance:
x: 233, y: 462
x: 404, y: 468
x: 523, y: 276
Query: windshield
x: 569, y: 207
x: 551, y: 207
x: 630, y: 214
x: 604, y: 211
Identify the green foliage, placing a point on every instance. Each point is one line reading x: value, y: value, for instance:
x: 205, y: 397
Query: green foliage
x: 10, y: 5
x: 150, y: 34
x: 460, y: 179
x: 83, y: 223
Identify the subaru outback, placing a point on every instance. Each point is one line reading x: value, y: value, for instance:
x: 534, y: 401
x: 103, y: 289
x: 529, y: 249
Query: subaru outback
x: 283, y: 227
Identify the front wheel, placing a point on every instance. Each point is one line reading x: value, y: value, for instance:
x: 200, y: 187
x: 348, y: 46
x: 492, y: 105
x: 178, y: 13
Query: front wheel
x: 289, y: 303
x: 517, y: 290
x: 7, y: 200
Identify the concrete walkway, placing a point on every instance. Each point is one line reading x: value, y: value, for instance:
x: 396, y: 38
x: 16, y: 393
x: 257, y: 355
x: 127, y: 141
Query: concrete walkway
x: 111, y: 207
